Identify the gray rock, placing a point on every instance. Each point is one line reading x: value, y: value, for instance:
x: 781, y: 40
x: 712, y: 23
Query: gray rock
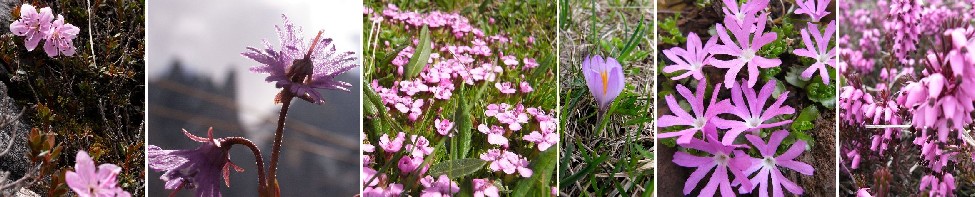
x: 15, y: 160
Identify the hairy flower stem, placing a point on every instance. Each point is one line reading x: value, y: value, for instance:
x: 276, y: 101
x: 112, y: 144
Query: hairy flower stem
x: 278, y: 135
x: 259, y: 159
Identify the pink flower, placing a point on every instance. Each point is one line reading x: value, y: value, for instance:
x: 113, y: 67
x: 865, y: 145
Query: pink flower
x: 525, y: 87
x: 819, y: 52
x: 420, y: 146
x: 444, y: 127
x: 495, y: 134
x: 393, y: 189
x: 530, y: 63
x: 33, y: 25
x: 604, y: 78
x: 864, y: 192
x: 88, y: 181
x: 692, y: 59
x: 744, y: 50
x: 484, y: 188
x: 543, y: 140
x: 720, y: 159
x: 413, y: 87
x: 410, y: 107
x: 440, y: 187
x: 816, y: 9
x: 701, y: 115
x: 509, y: 60
x: 392, y: 146
x: 408, y: 163
x: 505, y: 87
x: 507, y: 162
x: 768, y: 166
x: 752, y: 113
x: 738, y: 14
x: 59, y: 38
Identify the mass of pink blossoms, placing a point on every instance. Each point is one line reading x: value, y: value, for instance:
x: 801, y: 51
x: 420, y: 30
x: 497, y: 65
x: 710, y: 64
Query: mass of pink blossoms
x: 508, y: 132
x: 710, y: 133
x: 922, y: 92
x: 36, y: 25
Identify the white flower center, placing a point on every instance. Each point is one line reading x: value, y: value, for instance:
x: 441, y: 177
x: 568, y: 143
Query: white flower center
x: 822, y: 58
x: 740, y: 16
x: 768, y: 162
x: 747, y: 54
x: 753, y: 122
x: 699, y: 122
x: 696, y: 66
x: 721, y: 159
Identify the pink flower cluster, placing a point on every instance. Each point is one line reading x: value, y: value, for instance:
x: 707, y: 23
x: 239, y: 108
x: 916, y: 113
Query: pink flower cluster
x: 35, y: 26
x: 748, y: 110
x: 470, y: 59
x: 937, y: 102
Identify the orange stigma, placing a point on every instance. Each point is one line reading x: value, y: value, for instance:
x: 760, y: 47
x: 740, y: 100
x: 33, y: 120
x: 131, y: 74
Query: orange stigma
x: 605, y: 81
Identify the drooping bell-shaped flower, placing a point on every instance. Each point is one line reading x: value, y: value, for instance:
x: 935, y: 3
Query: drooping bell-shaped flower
x: 604, y: 78
x: 199, y: 168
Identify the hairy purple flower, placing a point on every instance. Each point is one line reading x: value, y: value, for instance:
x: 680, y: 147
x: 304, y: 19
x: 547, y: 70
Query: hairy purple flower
x: 692, y: 59
x: 604, y: 78
x: 702, y: 115
x: 768, y: 166
x: 300, y: 69
x: 818, y: 50
x: 59, y: 38
x: 745, y: 49
x: 33, y: 25
x: 88, y: 181
x: 752, y: 111
x: 199, y: 168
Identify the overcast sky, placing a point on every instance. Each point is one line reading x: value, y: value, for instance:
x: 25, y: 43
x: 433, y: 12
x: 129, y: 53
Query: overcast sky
x: 208, y: 37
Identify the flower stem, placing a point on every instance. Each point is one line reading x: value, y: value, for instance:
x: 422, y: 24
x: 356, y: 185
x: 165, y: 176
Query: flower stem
x: 278, y: 135
x: 259, y: 159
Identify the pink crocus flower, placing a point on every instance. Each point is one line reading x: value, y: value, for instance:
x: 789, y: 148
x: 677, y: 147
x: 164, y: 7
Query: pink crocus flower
x: 744, y: 50
x: 816, y: 9
x: 692, y: 59
x: 443, y: 127
x: 768, y: 166
x: 505, y: 87
x: 702, y: 115
x: 604, y: 78
x: 33, y: 25
x: 819, y: 51
x: 59, y: 38
x: 88, y: 181
x: 723, y: 159
x: 484, y: 188
x: 752, y: 112
x: 495, y: 134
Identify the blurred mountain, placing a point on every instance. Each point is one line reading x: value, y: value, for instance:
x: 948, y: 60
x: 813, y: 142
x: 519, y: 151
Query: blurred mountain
x: 319, y: 153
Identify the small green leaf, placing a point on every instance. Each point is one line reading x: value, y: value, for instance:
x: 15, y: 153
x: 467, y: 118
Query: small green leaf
x: 420, y: 56
x: 458, y: 168
x: 463, y: 128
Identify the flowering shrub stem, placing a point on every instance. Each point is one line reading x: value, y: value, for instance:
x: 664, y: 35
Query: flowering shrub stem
x: 259, y: 159
x: 278, y: 135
